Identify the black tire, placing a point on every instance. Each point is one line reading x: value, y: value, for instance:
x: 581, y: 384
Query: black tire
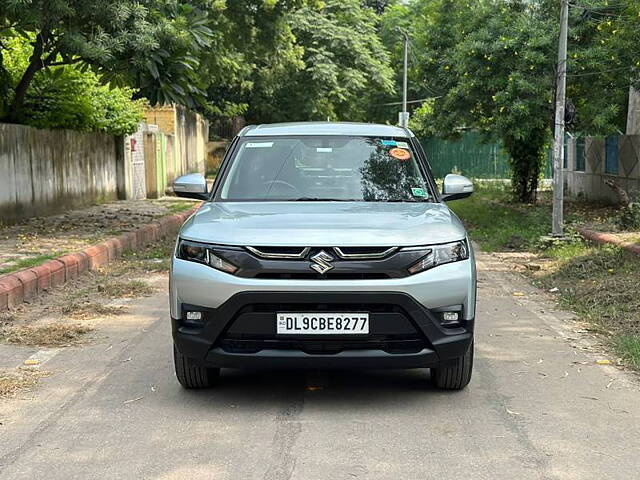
x: 456, y: 374
x: 191, y: 375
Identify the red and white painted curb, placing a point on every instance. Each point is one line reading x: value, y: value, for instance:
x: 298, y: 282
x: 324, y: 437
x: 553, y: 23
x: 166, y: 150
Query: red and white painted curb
x: 602, y: 238
x: 28, y: 283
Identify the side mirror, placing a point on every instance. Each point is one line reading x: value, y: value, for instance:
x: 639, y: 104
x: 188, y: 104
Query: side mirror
x: 193, y: 185
x: 455, y: 187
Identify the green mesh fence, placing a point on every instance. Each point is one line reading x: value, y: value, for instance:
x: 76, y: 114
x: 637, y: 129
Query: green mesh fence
x: 469, y: 156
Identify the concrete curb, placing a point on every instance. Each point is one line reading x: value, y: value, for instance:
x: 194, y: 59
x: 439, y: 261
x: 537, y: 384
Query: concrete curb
x: 603, y: 238
x: 28, y: 283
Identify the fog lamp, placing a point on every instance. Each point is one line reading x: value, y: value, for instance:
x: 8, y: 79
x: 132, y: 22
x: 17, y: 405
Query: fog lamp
x: 450, y: 316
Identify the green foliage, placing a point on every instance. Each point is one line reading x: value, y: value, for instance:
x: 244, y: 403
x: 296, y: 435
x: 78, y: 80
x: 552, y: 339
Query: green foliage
x: 252, y: 46
x: 151, y: 45
x: 335, y: 60
x: 496, y: 225
x: 629, y: 217
x: 628, y: 347
x: 489, y: 68
x: 603, y: 60
x: 67, y: 97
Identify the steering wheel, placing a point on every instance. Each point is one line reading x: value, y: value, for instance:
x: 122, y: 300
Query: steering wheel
x: 272, y: 183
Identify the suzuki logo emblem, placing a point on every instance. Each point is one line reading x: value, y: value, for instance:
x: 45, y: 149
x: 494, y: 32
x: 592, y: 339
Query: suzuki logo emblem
x: 321, y: 262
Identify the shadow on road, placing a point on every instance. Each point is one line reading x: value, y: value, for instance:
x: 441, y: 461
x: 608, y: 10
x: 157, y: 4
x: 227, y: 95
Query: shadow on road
x: 331, y: 388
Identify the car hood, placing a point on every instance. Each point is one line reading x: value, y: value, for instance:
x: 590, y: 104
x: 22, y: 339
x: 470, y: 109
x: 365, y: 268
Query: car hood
x: 323, y: 224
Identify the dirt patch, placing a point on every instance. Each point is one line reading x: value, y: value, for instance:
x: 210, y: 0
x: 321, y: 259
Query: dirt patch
x: 129, y: 289
x: 601, y: 285
x: 87, y: 310
x: 97, y: 295
x: 19, y: 380
x: 40, y: 238
x: 51, y: 335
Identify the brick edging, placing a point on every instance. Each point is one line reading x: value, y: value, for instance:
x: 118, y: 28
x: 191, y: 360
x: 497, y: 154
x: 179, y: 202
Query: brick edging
x: 28, y: 283
x: 603, y: 238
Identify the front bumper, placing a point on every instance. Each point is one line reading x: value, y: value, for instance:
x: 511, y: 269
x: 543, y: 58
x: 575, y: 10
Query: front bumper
x: 240, y: 333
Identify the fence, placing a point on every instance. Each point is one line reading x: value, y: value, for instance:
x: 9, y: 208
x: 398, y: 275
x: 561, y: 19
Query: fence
x: 48, y: 171
x: 45, y: 172
x: 592, y: 160
x: 471, y: 157
x: 226, y: 128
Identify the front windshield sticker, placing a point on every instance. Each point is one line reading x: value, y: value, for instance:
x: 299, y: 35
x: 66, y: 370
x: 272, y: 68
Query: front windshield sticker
x: 418, y: 192
x: 324, y: 150
x: 403, y: 145
x: 260, y: 145
x: 400, y: 154
x: 389, y: 143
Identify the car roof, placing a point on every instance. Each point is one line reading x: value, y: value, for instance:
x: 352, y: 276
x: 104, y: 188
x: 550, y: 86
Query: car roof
x: 325, y: 128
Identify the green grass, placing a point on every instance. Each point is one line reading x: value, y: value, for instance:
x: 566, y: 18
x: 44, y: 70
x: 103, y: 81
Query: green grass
x: 601, y: 286
x: 497, y: 224
x: 628, y: 347
x: 156, y: 258
x: 599, y: 283
x: 175, y: 207
x: 30, y: 262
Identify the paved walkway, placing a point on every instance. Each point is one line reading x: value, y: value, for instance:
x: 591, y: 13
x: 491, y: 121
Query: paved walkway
x: 41, y: 238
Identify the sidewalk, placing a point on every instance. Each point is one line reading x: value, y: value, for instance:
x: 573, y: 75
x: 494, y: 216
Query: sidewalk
x: 44, y: 253
x: 43, y: 238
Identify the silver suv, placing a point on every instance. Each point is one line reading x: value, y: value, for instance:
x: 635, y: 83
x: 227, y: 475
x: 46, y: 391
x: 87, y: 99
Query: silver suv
x: 323, y: 245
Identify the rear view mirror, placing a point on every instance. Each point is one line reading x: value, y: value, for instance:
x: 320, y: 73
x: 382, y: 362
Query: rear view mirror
x: 455, y: 187
x: 193, y: 185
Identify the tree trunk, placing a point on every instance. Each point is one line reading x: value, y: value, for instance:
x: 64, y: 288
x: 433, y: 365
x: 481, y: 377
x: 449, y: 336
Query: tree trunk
x: 525, y: 161
x: 35, y: 64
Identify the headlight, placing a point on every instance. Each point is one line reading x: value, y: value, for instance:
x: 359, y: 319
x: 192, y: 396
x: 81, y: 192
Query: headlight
x: 202, y: 253
x: 441, y: 254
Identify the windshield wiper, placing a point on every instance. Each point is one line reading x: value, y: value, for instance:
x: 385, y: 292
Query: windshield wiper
x: 402, y: 200
x: 321, y: 199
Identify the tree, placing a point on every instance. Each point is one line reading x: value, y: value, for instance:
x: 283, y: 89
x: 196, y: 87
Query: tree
x: 377, y: 5
x: 604, y: 60
x: 489, y: 66
x: 70, y: 97
x: 252, y: 45
x: 338, y: 60
x: 149, y: 44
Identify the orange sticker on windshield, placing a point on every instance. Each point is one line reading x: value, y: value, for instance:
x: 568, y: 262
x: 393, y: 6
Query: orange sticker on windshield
x: 400, y: 154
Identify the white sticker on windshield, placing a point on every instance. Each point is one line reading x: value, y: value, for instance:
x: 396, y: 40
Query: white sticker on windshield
x: 259, y: 145
x: 403, y: 145
x: 324, y: 150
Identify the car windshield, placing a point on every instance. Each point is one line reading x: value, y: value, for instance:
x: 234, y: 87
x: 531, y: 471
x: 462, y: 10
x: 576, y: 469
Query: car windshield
x: 369, y: 169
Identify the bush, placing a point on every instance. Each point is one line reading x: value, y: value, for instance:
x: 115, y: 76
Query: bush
x: 629, y: 217
x: 70, y: 97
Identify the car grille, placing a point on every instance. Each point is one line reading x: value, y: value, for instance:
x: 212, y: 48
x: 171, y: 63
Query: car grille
x: 322, y: 263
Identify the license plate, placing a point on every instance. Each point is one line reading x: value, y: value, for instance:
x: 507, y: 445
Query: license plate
x: 322, y: 323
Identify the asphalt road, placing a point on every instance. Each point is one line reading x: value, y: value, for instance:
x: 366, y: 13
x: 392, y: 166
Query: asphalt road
x: 538, y: 407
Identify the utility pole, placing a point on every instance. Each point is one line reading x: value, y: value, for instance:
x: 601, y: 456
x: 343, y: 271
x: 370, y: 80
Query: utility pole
x: 633, y: 122
x: 404, y: 114
x: 558, y: 143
